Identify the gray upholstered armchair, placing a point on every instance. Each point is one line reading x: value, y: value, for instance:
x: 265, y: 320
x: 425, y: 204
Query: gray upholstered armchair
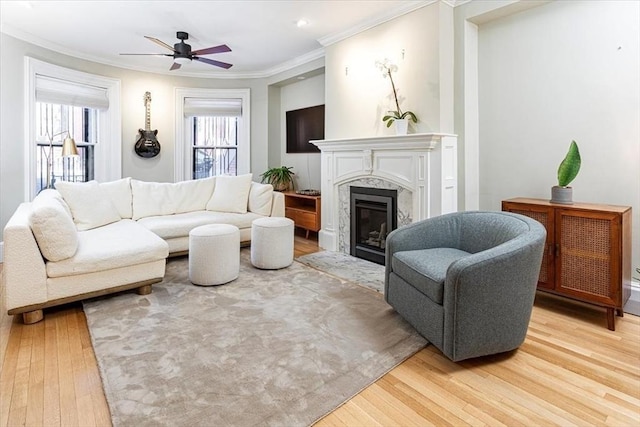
x: 467, y: 280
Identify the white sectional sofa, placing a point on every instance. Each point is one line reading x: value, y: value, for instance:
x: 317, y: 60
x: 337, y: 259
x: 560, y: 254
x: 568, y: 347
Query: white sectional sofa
x: 89, y: 239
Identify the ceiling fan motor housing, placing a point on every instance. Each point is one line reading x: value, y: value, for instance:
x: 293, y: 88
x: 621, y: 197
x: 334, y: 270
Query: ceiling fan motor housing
x: 182, y: 49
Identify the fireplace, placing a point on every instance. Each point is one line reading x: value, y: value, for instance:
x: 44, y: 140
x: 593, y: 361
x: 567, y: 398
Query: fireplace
x: 373, y: 217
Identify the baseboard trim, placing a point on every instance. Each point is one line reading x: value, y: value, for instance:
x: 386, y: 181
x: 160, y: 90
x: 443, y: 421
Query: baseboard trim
x: 633, y: 305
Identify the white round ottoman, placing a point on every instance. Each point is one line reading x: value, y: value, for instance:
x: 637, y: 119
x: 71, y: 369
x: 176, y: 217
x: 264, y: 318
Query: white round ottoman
x: 271, y: 243
x: 214, y: 254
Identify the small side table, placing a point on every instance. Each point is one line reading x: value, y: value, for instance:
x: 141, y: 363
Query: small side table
x: 304, y: 210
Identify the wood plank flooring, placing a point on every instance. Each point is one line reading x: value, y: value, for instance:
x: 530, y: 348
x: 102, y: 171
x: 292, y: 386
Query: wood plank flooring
x: 571, y: 371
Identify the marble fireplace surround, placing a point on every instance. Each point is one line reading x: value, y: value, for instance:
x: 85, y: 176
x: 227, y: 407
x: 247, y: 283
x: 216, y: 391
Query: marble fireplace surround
x: 422, y: 167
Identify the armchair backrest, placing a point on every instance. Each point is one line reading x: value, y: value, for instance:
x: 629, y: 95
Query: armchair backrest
x: 479, y: 231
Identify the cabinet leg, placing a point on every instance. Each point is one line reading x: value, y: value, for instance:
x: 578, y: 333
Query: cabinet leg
x: 307, y: 236
x: 619, y: 312
x: 611, y: 320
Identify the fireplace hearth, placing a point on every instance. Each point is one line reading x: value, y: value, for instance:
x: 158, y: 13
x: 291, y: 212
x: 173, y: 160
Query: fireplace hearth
x: 373, y: 217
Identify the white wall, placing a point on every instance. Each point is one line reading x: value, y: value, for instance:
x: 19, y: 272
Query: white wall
x: 562, y: 71
x: 302, y: 94
x: 357, y: 95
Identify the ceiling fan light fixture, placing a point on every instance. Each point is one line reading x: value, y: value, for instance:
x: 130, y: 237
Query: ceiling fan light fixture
x: 182, y: 60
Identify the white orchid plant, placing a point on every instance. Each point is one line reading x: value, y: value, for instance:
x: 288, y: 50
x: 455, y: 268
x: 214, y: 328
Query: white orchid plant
x: 387, y: 67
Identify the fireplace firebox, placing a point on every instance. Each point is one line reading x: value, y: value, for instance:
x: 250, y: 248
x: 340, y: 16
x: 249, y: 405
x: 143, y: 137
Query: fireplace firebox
x: 373, y: 217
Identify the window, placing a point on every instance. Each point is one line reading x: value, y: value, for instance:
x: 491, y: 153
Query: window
x: 212, y: 132
x: 215, y: 146
x: 80, y: 123
x: 87, y: 107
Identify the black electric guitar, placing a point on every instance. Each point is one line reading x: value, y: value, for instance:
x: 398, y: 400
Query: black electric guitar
x: 147, y: 144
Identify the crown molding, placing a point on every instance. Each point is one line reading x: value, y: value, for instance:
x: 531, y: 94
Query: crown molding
x: 455, y: 3
x: 373, y: 22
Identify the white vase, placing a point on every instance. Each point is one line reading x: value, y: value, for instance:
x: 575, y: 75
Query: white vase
x: 402, y: 125
x: 562, y: 195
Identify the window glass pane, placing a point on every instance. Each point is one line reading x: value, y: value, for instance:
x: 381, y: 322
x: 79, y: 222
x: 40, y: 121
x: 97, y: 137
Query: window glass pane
x: 54, y: 121
x: 215, y: 146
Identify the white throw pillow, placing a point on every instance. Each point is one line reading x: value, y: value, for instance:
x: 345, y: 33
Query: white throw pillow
x: 90, y: 206
x: 53, y: 228
x: 119, y: 192
x: 152, y: 199
x: 260, y: 198
x: 190, y: 196
x: 230, y: 194
x: 50, y: 193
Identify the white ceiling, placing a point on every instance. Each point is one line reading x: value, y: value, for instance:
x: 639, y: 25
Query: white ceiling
x: 262, y: 34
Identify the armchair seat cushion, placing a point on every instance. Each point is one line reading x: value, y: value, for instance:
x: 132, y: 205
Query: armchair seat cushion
x: 426, y: 269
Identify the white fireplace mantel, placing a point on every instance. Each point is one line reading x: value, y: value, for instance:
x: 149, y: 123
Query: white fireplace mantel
x: 424, y: 164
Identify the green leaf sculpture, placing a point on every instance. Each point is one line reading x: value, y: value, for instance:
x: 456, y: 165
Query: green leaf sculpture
x: 570, y: 166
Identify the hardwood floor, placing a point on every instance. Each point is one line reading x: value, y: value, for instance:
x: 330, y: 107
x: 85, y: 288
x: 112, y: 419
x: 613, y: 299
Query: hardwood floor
x: 571, y: 370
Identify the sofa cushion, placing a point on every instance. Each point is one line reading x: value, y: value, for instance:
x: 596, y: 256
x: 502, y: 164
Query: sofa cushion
x: 90, y: 205
x: 119, y: 192
x: 260, y: 198
x: 179, y: 225
x: 53, y: 227
x: 426, y: 269
x: 167, y: 198
x: 119, y: 244
x: 151, y: 198
x: 231, y: 194
x: 190, y: 196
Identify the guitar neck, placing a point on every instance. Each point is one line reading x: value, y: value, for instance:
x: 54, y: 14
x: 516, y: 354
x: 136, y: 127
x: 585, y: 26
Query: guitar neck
x: 148, y: 118
x: 147, y: 106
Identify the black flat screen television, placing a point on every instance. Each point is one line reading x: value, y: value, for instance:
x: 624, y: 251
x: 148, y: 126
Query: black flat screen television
x: 304, y: 125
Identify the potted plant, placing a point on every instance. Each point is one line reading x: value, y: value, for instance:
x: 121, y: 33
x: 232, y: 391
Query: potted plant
x: 398, y: 116
x: 281, y: 178
x: 567, y: 171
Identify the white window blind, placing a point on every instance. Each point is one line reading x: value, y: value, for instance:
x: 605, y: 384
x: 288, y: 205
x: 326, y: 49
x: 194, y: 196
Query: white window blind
x: 56, y: 91
x: 198, y: 107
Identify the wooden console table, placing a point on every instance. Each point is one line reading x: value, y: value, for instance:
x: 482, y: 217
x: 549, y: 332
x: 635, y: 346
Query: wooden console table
x: 587, y: 255
x: 304, y: 210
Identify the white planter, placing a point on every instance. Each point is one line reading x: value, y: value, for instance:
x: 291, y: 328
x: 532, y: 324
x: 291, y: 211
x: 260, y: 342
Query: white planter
x: 402, y: 126
x: 561, y: 195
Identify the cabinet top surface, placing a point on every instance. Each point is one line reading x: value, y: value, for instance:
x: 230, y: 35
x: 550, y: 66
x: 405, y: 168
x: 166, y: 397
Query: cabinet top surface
x: 575, y: 205
x: 301, y: 196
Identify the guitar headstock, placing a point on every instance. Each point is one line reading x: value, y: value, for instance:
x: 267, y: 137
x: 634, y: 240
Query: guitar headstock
x: 147, y: 98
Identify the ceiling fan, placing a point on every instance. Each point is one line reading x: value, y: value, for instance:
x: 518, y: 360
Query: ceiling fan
x: 182, y: 53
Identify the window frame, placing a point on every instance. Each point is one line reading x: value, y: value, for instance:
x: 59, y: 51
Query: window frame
x: 108, y: 150
x: 183, y: 136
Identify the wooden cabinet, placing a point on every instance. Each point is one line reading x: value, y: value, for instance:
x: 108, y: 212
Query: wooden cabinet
x: 587, y: 255
x: 304, y: 210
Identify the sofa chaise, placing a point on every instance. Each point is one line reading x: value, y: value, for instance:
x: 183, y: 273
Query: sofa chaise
x: 89, y: 239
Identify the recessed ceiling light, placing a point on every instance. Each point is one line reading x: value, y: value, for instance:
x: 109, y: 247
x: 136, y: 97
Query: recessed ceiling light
x: 301, y: 23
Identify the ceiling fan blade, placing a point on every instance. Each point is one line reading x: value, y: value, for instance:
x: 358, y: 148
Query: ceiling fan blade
x: 160, y: 42
x: 210, y: 50
x: 148, y: 54
x: 175, y: 66
x: 213, y: 62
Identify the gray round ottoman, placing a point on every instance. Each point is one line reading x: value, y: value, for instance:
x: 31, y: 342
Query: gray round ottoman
x: 272, y: 243
x: 214, y: 254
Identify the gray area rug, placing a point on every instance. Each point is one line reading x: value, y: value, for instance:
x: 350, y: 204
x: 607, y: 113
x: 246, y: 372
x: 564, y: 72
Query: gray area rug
x: 277, y: 348
x: 347, y: 267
